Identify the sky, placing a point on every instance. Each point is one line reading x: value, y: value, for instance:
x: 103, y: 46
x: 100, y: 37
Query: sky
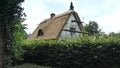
x: 105, y: 12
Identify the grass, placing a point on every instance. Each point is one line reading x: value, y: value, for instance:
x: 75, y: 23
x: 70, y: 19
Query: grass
x: 27, y: 65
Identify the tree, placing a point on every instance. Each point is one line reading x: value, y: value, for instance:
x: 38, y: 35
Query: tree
x: 10, y: 11
x: 115, y: 34
x: 92, y: 28
x: 19, y: 35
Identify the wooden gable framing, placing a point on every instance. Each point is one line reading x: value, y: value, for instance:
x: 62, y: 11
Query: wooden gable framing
x: 52, y: 27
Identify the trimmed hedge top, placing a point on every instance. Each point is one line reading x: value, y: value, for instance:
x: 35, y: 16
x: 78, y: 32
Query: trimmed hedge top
x: 83, y: 52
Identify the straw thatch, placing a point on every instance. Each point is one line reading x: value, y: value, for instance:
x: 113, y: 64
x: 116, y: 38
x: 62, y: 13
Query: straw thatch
x: 52, y: 27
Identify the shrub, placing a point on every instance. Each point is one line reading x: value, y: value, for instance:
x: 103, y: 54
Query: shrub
x: 85, y: 52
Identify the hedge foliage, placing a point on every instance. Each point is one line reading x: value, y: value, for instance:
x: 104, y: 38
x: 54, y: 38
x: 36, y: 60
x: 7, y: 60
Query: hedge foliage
x: 84, y: 52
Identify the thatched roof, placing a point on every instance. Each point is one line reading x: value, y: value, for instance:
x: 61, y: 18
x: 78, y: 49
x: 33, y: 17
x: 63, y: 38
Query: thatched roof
x: 52, y: 27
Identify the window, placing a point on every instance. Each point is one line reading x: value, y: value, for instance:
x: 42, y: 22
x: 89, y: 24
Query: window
x: 40, y: 33
x: 72, y: 28
x: 72, y: 31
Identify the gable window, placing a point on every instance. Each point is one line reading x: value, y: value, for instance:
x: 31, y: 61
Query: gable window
x: 72, y: 31
x: 40, y: 33
x: 72, y: 28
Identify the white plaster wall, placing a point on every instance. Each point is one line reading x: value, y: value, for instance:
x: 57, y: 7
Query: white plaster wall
x: 67, y: 34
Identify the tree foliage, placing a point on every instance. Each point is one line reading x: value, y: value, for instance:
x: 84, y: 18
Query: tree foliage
x: 92, y: 28
x: 19, y: 36
x: 10, y: 12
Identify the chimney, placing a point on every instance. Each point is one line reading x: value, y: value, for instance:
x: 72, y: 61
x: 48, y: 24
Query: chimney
x: 52, y: 15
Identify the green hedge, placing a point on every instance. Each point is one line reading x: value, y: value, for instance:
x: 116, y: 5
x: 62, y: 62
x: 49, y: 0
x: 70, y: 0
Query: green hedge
x: 85, y: 52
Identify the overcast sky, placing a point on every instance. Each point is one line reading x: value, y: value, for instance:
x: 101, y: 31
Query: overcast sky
x: 105, y: 12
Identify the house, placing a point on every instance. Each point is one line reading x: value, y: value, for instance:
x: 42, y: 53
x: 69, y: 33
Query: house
x: 62, y: 26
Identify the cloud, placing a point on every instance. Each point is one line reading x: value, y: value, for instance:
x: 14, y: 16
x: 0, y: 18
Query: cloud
x: 110, y: 23
x: 105, y: 12
x: 36, y: 12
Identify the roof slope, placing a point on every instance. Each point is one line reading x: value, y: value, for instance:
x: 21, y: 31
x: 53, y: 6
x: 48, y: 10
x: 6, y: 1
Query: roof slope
x: 51, y: 27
